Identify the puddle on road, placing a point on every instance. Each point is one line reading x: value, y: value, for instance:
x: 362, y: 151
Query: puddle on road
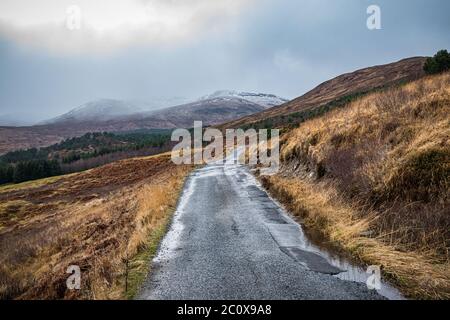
x: 351, y: 271
x: 303, y: 247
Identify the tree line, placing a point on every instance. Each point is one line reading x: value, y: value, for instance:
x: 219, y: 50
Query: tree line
x: 79, y: 153
x: 28, y: 170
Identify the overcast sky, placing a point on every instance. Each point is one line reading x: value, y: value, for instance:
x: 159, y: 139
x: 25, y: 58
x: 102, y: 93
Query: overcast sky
x: 146, y: 49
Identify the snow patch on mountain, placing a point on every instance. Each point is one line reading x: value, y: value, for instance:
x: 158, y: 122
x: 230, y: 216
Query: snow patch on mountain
x: 263, y: 99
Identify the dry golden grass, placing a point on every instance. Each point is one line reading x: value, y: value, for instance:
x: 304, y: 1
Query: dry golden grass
x: 379, y: 166
x: 100, y: 220
x: 320, y: 207
x: 29, y: 184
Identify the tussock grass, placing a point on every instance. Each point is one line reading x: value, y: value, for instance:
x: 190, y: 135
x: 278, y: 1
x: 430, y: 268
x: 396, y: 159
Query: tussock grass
x: 29, y: 184
x: 12, y: 210
x: 379, y: 167
x: 320, y: 207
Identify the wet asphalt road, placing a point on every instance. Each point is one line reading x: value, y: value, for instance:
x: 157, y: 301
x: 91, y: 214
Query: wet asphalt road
x: 229, y: 240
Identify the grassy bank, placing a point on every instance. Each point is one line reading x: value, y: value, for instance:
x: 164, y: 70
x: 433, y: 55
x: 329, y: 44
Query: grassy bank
x: 319, y: 208
x: 107, y: 220
x: 374, y: 177
x: 158, y: 203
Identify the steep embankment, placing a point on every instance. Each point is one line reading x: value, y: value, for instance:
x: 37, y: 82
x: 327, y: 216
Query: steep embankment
x: 374, y: 179
x: 344, y: 86
x: 108, y: 221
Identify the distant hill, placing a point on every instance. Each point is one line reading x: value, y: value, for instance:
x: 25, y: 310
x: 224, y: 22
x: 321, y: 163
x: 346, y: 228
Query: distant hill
x: 344, y: 85
x: 109, y: 110
x: 99, y: 110
x: 117, y: 116
x: 103, y: 110
x: 210, y: 111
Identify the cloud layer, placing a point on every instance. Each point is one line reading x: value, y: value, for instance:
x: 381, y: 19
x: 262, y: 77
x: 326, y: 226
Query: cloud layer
x: 82, y: 26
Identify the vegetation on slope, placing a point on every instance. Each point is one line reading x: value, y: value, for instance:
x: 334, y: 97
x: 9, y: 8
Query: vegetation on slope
x: 345, y: 85
x: 80, y: 153
x: 293, y: 120
x: 439, y: 63
x: 105, y: 220
x: 374, y: 178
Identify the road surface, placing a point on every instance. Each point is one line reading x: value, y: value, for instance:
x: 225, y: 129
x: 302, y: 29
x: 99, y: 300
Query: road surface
x: 230, y: 240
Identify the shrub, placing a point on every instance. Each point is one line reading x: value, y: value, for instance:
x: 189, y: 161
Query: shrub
x: 437, y: 64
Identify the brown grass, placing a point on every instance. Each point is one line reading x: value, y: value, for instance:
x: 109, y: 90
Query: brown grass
x: 379, y: 167
x: 100, y: 220
x: 320, y: 207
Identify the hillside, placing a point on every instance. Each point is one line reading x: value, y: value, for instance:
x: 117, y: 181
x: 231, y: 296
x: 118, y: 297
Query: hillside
x: 111, y: 110
x: 81, y: 153
x: 373, y: 178
x: 107, y: 220
x: 99, y: 110
x: 211, y: 111
x: 346, y: 85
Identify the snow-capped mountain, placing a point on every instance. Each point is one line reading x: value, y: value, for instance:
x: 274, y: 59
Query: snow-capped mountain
x: 106, y: 110
x: 110, y: 109
x: 99, y: 110
x: 263, y: 99
x: 117, y: 115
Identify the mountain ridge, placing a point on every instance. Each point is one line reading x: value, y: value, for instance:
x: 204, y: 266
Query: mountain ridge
x: 358, y: 81
x: 105, y: 110
x: 211, y: 112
